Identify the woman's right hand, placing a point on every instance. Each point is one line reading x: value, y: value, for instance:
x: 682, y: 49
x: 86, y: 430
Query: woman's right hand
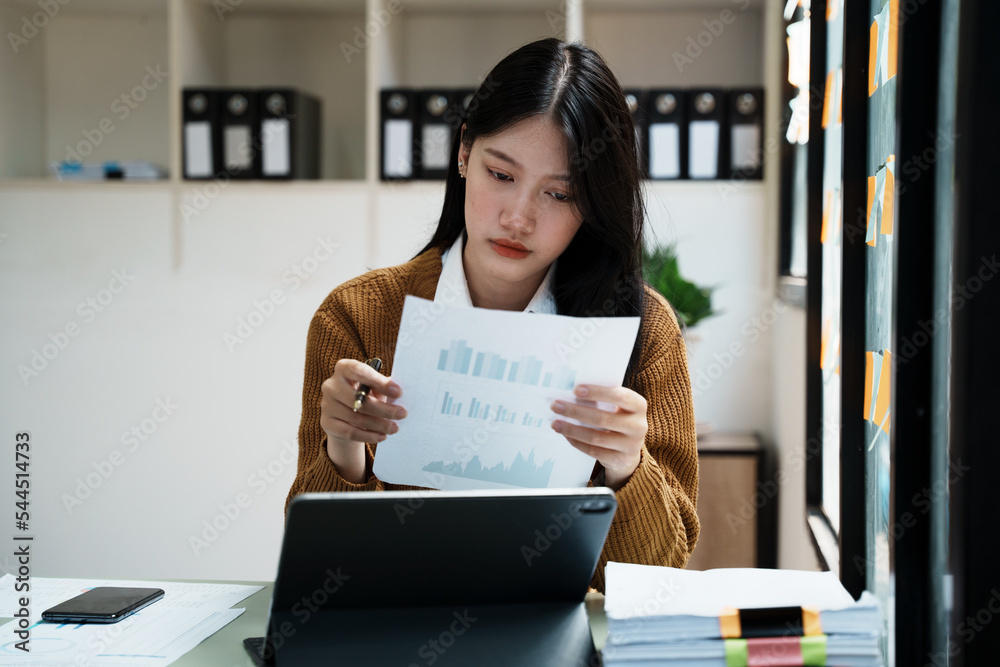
x: 347, y: 431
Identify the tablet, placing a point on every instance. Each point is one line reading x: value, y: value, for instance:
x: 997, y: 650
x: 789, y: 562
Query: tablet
x: 437, y: 577
x: 377, y: 549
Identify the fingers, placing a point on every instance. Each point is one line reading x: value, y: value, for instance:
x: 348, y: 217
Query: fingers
x: 375, y: 418
x: 625, y: 399
x: 615, y: 437
x: 356, y: 373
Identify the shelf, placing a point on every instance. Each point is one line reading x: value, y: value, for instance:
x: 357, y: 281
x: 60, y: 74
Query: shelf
x: 71, y: 77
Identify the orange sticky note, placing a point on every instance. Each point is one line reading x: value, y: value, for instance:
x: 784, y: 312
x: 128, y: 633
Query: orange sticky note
x: 872, y: 184
x: 887, y: 201
x: 873, y: 60
x: 893, y: 36
x: 869, y: 370
x: 884, y: 391
x: 729, y: 623
x: 827, y: 109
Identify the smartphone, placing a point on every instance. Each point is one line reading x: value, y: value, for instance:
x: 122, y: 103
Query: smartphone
x: 104, y: 604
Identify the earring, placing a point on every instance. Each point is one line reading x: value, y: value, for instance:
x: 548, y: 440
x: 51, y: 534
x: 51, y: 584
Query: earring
x: 461, y: 172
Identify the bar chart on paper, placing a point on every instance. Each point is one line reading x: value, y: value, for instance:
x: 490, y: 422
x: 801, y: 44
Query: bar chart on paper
x: 528, y: 370
x: 478, y: 387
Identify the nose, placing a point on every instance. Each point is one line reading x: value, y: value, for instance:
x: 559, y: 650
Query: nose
x: 520, y: 215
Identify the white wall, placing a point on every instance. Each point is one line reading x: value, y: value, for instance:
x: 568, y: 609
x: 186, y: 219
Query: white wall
x: 162, y: 339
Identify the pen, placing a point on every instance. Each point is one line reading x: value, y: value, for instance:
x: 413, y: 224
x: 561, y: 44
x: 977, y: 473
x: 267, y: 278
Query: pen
x: 363, y: 389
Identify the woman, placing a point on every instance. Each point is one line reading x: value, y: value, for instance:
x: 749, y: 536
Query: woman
x: 544, y: 169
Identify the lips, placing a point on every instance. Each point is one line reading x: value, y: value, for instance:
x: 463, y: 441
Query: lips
x: 509, y: 249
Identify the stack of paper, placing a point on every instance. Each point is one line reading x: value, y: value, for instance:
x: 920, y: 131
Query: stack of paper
x: 736, y: 617
x: 155, y: 636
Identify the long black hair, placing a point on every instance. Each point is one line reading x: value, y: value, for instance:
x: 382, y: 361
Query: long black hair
x: 600, y: 272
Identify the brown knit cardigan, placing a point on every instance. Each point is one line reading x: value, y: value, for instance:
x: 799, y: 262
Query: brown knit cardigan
x: 655, y: 524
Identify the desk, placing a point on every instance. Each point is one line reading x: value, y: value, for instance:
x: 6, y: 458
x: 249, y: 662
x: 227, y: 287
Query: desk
x: 225, y: 647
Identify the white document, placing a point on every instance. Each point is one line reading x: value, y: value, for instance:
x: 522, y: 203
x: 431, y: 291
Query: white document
x: 477, y: 386
x: 648, y: 590
x: 157, y: 635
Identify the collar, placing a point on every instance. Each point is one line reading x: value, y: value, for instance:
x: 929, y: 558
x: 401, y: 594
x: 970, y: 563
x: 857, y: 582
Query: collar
x: 454, y: 289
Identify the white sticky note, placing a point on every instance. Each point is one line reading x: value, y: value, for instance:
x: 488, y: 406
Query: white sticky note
x: 703, y: 149
x: 198, y: 149
x: 664, y: 150
x: 397, y: 137
x: 276, y: 147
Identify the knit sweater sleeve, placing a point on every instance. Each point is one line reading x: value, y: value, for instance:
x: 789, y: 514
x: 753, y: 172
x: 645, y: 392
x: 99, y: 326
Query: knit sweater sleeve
x: 332, y: 336
x: 656, y: 522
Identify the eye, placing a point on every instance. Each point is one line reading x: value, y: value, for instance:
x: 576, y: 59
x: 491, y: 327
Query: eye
x: 504, y: 178
x: 558, y: 196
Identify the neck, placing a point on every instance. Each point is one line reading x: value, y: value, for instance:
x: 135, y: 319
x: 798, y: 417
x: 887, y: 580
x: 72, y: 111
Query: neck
x: 487, y: 294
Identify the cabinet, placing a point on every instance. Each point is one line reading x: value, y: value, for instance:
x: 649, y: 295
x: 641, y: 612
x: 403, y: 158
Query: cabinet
x: 735, y: 507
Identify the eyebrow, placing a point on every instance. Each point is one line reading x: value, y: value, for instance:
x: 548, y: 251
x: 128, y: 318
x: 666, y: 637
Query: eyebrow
x: 500, y: 155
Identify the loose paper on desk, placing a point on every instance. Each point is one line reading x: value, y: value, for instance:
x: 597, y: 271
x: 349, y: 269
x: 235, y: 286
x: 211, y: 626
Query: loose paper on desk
x: 477, y: 387
x: 157, y: 635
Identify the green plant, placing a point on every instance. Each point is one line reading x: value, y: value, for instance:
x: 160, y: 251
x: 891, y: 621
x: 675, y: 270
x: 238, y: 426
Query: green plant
x: 692, y: 303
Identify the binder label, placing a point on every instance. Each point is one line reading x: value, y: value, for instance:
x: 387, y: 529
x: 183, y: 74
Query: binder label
x: 276, y: 147
x: 236, y: 147
x: 198, y: 149
x: 396, y: 141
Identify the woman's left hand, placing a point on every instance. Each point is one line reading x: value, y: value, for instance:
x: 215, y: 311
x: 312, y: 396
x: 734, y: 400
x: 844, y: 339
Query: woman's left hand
x: 614, y: 438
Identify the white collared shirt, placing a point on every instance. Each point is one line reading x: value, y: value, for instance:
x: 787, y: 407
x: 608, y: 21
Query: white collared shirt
x: 452, y: 287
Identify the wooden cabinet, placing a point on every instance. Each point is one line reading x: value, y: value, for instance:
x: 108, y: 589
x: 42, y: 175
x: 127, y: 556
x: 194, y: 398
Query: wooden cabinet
x: 733, y: 504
